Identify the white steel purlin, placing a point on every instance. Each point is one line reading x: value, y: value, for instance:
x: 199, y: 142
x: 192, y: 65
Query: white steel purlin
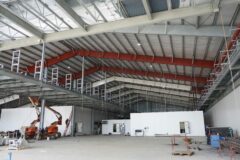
x: 15, y: 61
x: 68, y: 81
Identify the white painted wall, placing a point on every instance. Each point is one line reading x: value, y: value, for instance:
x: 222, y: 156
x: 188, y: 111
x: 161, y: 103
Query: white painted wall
x: 226, y: 112
x: 167, y: 122
x: 14, y: 119
x: 108, y: 128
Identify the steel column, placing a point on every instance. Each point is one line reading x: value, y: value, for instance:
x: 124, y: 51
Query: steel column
x: 82, y: 89
x: 41, y: 124
x: 42, y: 114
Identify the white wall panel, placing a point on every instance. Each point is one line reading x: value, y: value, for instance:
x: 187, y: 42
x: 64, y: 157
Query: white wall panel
x: 167, y: 123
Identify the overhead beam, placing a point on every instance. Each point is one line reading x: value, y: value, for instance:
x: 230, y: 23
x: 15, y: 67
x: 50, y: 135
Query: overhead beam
x: 126, y: 57
x: 154, y: 74
x: 72, y: 14
x: 174, y: 103
x: 54, y: 60
x: 146, y: 58
x: 7, y: 13
x: 147, y: 8
x: 179, y: 30
x: 114, y: 25
x: 149, y: 93
x: 94, y: 69
x: 159, y: 98
x: 151, y: 89
x: 142, y: 82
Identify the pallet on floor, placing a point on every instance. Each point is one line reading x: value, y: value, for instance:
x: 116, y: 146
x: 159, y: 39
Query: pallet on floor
x: 183, y: 153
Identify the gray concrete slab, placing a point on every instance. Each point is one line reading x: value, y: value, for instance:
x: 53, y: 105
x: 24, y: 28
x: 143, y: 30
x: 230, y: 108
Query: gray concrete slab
x: 109, y: 148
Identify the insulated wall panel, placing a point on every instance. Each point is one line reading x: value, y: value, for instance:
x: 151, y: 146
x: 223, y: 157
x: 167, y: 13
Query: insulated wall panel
x: 167, y: 123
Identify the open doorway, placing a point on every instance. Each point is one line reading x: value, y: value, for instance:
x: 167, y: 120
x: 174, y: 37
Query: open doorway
x: 184, y: 127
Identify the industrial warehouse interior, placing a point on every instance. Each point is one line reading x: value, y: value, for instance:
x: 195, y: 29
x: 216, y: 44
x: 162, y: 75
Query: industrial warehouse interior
x: 119, y: 79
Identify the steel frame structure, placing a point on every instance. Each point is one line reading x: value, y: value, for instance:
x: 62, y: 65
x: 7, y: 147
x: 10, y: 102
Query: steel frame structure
x: 223, y: 65
x: 55, y: 95
x: 104, y: 27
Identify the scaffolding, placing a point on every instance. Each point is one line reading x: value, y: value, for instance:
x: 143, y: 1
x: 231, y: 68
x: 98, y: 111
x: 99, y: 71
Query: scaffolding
x: 54, y: 78
x: 95, y: 91
x: 37, y: 69
x: 109, y: 96
x: 68, y: 81
x: 79, y: 85
x: 15, y: 61
x: 88, y: 89
x: 102, y: 94
x: 227, y: 59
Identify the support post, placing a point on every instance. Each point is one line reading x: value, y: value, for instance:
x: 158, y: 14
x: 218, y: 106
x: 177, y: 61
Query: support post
x: 105, y: 87
x: 83, y: 59
x: 42, y: 62
x: 45, y: 75
x: 73, y: 122
x: 75, y: 85
x: 41, y: 124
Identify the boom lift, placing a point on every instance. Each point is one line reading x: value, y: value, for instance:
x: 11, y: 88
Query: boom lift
x: 31, y: 131
x: 51, y: 130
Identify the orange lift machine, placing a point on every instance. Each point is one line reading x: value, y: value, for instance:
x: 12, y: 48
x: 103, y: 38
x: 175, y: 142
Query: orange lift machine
x: 51, y: 130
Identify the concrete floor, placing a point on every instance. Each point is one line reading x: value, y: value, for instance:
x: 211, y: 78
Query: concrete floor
x: 109, y: 148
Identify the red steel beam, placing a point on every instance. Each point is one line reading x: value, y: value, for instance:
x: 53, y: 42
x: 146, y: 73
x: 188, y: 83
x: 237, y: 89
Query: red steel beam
x: 54, y: 60
x: 154, y: 74
x: 126, y: 57
x: 149, y: 59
